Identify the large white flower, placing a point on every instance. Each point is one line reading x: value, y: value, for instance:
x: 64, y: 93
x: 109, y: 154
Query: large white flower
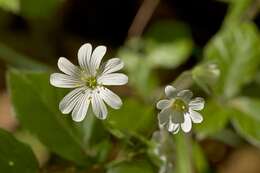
x: 89, y: 80
x: 179, y: 110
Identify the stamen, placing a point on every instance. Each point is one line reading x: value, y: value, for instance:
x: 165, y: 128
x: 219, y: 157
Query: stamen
x: 90, y: 81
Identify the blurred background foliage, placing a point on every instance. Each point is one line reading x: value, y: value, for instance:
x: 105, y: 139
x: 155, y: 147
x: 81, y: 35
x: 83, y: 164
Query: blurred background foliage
x: 211, y: 47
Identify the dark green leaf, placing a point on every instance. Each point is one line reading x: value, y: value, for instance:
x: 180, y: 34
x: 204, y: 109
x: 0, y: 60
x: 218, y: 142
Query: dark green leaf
x: 35, y: 103
x: 15, y: 156
x: 39, y: 9
x: 132, y: 117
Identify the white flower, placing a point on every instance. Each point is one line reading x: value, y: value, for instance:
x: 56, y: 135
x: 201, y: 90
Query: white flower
x: 179, y: 111
x: 89, y: 80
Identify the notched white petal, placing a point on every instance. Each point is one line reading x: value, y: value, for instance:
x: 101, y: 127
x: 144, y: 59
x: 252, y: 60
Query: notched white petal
x: 173, y: 128
x: 64, y: 81
x: 113, y: 79
x: 164, y: 117
x: 98, y: 106
x: 197, y: 103
x: 186, y: 95
x: 163, y: 104
x: 177, y: 117
x: 170, y: 91
x: 67, y: 67
x: 177, y: 129
x: 96, y: 58
x: 110, y: 98
x: 195, y: 116
x: 70, y: 100
x: 186, y: 125
x: 81, y: 108
x: 112, y: 65
x: 84, y: 55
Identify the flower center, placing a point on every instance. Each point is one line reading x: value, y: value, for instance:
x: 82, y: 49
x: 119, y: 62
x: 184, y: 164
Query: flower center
x: 91, y: 82
x: 179, y: 105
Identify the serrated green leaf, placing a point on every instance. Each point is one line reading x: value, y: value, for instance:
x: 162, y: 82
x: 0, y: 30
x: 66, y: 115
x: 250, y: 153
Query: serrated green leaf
x: 141, y: 166
x: 236, y: 50
x: 35, y: 103
x: 246, y: 118
x: 168, y: 44
x: 15, y: 156
x: 215, y: 117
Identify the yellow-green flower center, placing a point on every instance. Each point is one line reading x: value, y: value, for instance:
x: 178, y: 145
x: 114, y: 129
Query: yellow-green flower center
x: 91, y: 82
x: 179, y: 105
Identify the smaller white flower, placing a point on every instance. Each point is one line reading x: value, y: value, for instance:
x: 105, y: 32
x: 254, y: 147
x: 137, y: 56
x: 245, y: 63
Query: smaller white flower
x: 179, y: 110
x: 89, y: 80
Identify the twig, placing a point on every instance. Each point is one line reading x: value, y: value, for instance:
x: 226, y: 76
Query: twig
x: 142, y: 18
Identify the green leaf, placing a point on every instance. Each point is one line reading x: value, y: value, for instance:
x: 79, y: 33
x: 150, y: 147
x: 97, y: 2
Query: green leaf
x: 132, y: 118
x: 215, y: 117
x: 40, y: 9
x: 236, y: 51
x: 239, y: 11
x: 246, y: 118
x: 17, y: 60
x: 35, y: 103
x: 168, y: 44
x: 15, y: 156
x: 144, y: 80
x: 140, y: 166
x: 10, y: 5
x: 140, y: 73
